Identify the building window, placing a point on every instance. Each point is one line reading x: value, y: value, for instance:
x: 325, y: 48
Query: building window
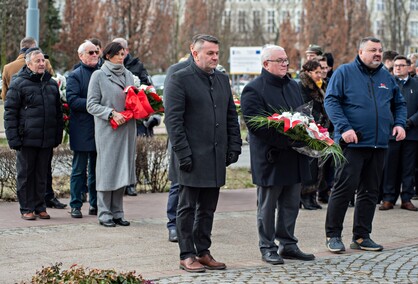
x: 380, y: 5
x: 226, y: 20
x: 379, y: 28
x: 256, y: 20
x: 413, y: 5
x: 241, y: 21
x: 271, y: 25
x: 414, y: 29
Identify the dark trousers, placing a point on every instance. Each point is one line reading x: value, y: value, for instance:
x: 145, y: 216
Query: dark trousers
x: 83, y: 176
x: 362, y: 171
x: 172, y: 202
x: 286, y: 199
x: 195, y: 214
x: 400, y: 169
x: 32, y: 169
x: 49, y: 193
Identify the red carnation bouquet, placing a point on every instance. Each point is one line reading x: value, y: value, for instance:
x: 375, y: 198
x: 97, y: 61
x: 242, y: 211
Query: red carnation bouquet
x: 300, y: 127
x: 140, y: 103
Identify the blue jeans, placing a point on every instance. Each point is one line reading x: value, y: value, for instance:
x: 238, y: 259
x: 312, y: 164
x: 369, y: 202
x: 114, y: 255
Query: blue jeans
x: 173, y: 200
x: 83, y: 161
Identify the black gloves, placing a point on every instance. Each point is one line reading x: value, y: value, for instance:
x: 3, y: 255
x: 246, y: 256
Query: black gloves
x: 186, y: 164
x: 231, y: 157
x: 409, y: 124
x: 17, y: 148
x: 153, y: 121
x: 297, y: 144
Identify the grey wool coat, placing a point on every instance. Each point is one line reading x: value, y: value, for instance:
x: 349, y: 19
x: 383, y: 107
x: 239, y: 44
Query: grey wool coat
x: 116, y: 149
x: 201, y: 122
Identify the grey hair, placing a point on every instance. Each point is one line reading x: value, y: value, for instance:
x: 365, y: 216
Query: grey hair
x: 29, y: 56
x: 82, y: 48
x: 365, y: 40
x: 122, y: 42
x: 267, y: 50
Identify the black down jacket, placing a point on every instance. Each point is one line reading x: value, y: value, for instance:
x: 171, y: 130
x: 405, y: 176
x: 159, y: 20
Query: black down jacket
x: 32, y: 111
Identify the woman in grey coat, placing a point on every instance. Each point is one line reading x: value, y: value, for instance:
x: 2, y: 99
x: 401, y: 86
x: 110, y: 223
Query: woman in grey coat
x: 116, y: 149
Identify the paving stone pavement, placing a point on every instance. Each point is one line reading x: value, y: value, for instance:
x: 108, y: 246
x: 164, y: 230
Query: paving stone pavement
x: 390, y: 266
x: 26, y: 246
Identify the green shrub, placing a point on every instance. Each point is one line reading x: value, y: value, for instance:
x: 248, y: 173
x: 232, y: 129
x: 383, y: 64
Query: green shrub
x: 79, y: 275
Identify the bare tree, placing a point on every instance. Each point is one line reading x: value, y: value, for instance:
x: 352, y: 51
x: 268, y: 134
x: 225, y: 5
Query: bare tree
x: 77, y: 25
x: 12, y: 15
x: 336, y: 26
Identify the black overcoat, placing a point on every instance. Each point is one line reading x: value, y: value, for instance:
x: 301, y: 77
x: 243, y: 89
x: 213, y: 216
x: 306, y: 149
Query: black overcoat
x: 409, y: 91
x: 273, y: 161
x: 201, y: 122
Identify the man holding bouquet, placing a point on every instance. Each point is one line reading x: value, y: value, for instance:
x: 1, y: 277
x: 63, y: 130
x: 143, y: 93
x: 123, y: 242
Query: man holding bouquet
x: 202, y: 126
x: 277, y: 169
x: 366, y: 107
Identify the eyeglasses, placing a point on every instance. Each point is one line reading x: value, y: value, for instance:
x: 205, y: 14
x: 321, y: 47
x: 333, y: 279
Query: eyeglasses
x: 91, y: 52
x: 280, y: 61
x: 400, y: 65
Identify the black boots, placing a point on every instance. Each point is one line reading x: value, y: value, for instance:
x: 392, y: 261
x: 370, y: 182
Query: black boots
x: 308, y: 201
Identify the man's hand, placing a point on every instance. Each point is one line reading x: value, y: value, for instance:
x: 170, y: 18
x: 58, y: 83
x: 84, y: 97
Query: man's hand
x: 350, y: 136
x: 186, y: 164
x: 231, y: 157
x: 399, y: 133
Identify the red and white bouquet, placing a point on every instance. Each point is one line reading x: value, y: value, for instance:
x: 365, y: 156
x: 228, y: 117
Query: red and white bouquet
x: 300, y: 127
x: 140, y: 103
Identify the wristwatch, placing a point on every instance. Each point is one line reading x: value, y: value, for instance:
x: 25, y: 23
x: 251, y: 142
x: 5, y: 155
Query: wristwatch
x: 110, y: 115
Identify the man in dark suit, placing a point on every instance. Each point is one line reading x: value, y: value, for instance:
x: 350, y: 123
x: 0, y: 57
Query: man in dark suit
x: 277, y: 169
x: 400, y: 165
x: 202, y: 125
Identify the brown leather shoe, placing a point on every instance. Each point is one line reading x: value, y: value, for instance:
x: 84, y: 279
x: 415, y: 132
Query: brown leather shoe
x: 408, y: 206
x: 191, y: 264
x: 210, y: 263
x: 28, y: 216
x: 386, y: 206
x: 43, y: 215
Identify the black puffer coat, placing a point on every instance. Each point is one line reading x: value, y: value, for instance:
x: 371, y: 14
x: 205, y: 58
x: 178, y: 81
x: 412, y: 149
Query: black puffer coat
x: 33, y: 115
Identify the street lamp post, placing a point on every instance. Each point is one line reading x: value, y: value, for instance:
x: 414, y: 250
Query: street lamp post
x: 32, y: 20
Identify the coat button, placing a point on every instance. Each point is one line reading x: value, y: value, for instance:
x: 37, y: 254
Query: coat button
x: 217, y: 125
x: 216, y: 143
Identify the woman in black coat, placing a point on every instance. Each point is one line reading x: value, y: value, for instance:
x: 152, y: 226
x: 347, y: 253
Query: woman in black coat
x: 313, y: 88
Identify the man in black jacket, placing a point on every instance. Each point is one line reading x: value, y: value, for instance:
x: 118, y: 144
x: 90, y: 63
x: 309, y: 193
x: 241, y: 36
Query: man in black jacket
x: 400, y: 164
x: 34, y: 123
x: 202, y: 125
x: 277, y: 169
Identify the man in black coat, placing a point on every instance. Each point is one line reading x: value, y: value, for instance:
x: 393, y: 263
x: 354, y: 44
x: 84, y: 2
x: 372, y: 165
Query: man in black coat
x: 34, y: 123
x: 202, y: 125
x: 401, y: 156
x: 82, y: 142
x: 173, y: 193
x: 277, y: 169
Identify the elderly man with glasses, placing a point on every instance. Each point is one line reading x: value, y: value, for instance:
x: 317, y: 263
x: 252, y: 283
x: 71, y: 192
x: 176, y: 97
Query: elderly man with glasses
x: 277, y: 169
x: 34, y: 123
x: 82, y: 142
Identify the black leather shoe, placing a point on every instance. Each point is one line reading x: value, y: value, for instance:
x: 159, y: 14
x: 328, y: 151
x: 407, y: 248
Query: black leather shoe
x: 172, y: 235
x: 121, y: 222
x: 76, y: 213
x: 92, y: 211
x: 130, y: 190
x: 55, y: 203
x: 108, y: 223
x: 272, y: 257
x: 295, y: 253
